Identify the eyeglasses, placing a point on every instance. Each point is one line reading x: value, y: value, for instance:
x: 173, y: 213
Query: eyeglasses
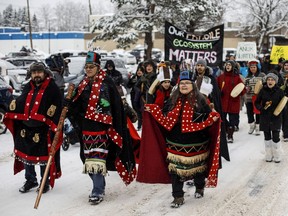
x: 89, y: 67
x: 185, y: 83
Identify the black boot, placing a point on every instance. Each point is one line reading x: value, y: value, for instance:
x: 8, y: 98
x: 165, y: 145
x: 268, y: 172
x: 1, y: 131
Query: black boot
x: 230, y: 132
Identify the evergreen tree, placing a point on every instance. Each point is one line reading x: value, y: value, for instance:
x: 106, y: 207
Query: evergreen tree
x: 34, y: 23
x: 7, y: 15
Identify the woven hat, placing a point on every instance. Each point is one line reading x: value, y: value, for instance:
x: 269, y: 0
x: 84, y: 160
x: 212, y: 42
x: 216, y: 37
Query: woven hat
x: 273, y: 76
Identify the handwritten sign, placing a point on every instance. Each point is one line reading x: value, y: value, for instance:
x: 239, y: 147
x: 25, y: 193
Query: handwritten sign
x: 246, y: 51
x: 278, y: 52
x: 180, y: 45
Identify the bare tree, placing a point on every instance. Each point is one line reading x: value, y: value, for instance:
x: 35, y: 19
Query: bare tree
x: 264, y: 18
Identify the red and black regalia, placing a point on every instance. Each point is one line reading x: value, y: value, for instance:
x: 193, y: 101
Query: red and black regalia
x: 191, y: 140
x: 32, y: 119
x: 105, y: 143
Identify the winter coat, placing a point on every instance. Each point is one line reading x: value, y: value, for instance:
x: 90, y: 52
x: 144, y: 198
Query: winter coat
x: 215, y: 98
x: 226, y: 82
x: 268, y: 121
x: 250, y: 82
x: 114, y: 74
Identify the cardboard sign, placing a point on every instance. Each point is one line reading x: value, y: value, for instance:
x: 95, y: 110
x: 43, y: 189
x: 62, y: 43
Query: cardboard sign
x: 278, y: 52
x: 246, y: 51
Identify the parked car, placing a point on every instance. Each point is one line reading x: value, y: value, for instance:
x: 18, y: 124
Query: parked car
x: 120, y: 66
x: 16, y: 75
x: 5, y: 99
x: 137, y: 53
x: 76, y: 71
x: 23, y: 62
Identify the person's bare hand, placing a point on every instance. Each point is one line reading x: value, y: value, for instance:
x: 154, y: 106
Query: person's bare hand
x: 147, y: 109
x: 215, y: 118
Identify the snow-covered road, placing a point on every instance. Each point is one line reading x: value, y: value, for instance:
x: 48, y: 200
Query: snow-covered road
x: 248, y: 186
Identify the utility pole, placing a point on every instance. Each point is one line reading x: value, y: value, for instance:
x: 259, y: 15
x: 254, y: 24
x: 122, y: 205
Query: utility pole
x: 30, y: 28
x: 90, y: 13
x: 49, y: 43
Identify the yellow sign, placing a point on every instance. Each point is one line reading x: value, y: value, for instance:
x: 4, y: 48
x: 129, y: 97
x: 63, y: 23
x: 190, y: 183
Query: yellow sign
x: 278, y: 52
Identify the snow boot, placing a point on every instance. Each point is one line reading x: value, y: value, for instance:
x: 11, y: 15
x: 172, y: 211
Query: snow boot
x: 28, y: 185
x: 95, y: 200
x: 199, y: 193
x: 276, y: 150
x: 252, y: 128
x: 257, y: 130
x: 268, y: 150
x: 230, y: 132
x: 46, y: 188
x: 177, y: 202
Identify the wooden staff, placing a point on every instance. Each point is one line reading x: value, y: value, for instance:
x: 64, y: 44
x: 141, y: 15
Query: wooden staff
x: 54, y: 144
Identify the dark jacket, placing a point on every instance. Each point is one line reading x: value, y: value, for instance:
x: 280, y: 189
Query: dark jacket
x: 268, y: 121
x: 114, y: 74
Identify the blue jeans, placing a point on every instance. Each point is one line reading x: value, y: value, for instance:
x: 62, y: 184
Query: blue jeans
x: 98, y: 184
x: 30, y: 174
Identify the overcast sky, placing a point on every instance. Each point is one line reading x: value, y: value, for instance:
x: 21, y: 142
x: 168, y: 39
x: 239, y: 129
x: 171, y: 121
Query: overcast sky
x: 36, y: 4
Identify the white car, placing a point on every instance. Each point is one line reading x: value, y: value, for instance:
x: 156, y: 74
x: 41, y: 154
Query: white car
x: 16, y: 75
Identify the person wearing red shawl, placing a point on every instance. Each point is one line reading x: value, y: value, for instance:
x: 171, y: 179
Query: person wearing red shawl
x: 104, y: 140
x: 192, y: 139
x: 164, y: 89
x: 32, y: 119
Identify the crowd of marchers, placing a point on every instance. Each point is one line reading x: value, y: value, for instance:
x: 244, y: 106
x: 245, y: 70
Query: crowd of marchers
x: 186, y: 113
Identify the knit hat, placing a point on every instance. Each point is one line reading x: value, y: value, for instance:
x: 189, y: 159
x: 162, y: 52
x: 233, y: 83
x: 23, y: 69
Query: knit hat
x: 185, y: 75
x: 253, y: 62
x: 233, y: 63
x: 202, y: 62
x: 164, y: 73
x: 206, y: 88
x: 273, y: 76
x: 93, y: 58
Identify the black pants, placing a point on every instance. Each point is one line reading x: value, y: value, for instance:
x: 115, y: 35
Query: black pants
x: 233, y: 119
x: 274, y: 135
x: 177, y: 185
x: 250, y: 113
x: 285, y: 121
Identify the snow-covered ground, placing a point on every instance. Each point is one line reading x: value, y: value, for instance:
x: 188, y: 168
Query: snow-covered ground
x: 247, y: 186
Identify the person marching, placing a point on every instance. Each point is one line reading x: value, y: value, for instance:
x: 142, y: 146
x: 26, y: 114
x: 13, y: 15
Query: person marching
x: 266, y: 102
x: 164, y: 88
x: 254, y: 76
x: 32, y: 119
x: 190, y: 148
x: 104, y: 142
x: 135, y: 93
x: 230, y: 104
x: 204, y: 73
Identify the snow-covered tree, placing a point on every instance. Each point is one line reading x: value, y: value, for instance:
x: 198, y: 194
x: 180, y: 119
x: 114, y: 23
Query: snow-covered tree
x: 7, y: 15
x: 263, y: 18
x: 34, y: 23
x: 135, y: 16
